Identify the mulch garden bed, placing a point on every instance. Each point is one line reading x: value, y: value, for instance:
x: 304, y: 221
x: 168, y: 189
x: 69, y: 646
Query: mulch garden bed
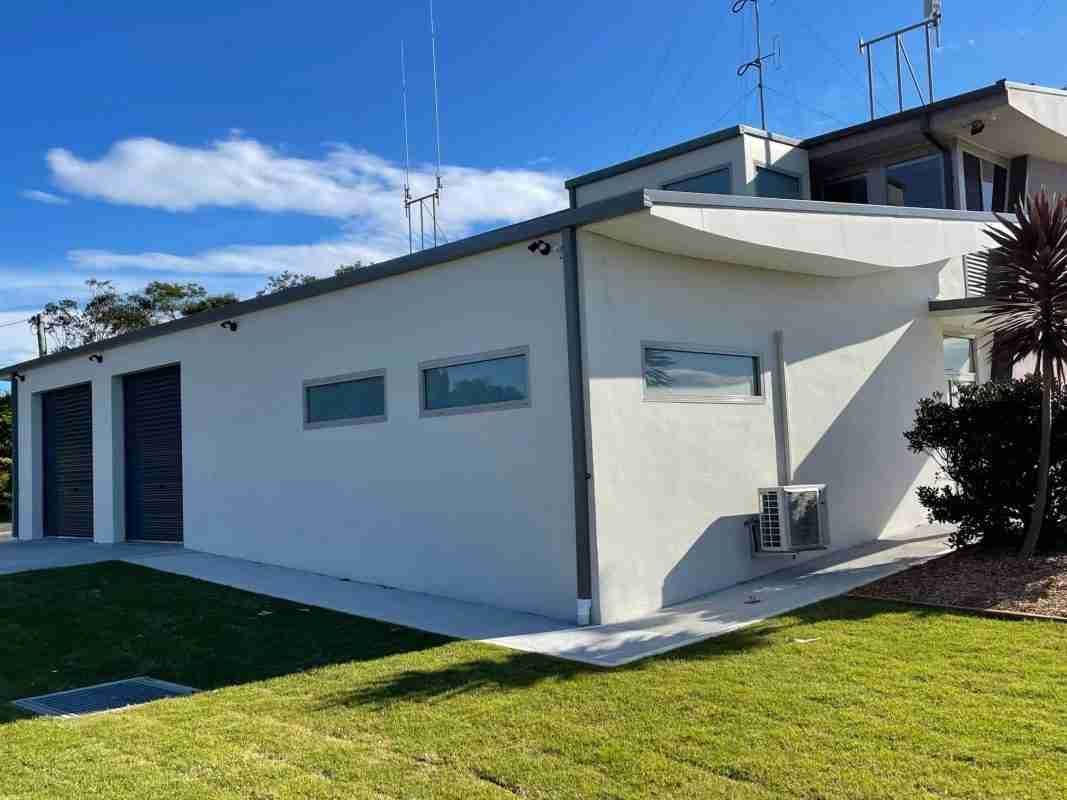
x: 981, y: 579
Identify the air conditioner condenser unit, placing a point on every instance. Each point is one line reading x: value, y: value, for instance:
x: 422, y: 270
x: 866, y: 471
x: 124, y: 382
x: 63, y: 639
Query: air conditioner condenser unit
x: 792, y: 519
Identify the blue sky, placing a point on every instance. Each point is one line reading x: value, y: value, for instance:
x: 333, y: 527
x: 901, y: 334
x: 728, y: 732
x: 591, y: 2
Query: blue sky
x: 221, y: 142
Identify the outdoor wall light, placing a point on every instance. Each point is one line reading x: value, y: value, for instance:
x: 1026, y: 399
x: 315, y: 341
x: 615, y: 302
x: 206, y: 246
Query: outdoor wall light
x: 977, y: 127
x: 18, y: 376
x: 539, y: 246
x: 99, y: 359
x: 229, y: 325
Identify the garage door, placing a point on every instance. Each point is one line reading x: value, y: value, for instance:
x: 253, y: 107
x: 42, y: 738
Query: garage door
x: 67, y: 444
x: 153, y: 442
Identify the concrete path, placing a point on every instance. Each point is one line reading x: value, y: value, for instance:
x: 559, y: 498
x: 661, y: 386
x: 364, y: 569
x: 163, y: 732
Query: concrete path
x: 603, y: 645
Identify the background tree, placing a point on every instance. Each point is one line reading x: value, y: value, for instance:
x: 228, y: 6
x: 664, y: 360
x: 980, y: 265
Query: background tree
x: 108, y: 312
x: 290, y: 280
x: 1028, y: 284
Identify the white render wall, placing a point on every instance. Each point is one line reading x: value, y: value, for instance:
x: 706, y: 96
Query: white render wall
x: 674, y: 482
x: 741, y: 154
x: 473, y: 506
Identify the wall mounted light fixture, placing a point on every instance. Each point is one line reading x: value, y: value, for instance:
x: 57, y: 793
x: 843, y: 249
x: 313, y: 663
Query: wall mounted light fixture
x: 539, y: 246
x: 229, y: 325
x: 99, y: 359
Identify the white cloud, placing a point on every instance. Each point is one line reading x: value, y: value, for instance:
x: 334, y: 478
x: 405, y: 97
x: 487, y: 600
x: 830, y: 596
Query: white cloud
x: 320, y: 258
x: 16, y: 339
x: 45, y: 197
x: 362, y: 191
x: 346, y: 183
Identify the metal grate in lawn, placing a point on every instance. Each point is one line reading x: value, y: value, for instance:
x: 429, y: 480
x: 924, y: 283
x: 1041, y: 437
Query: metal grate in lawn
x: 111, y: 696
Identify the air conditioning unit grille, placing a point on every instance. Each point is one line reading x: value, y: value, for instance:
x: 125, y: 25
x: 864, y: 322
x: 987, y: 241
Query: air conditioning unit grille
x: 770, y: 528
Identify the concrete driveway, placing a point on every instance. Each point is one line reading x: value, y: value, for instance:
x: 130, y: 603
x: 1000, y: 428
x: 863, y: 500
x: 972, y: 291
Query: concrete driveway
x: 612, y: 645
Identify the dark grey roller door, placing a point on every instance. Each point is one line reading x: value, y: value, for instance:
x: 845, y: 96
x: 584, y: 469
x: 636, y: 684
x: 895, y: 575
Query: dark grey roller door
x: 153, y: 434
x: 67, y: 443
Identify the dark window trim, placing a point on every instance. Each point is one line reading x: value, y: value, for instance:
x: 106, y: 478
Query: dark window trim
x: 725, y: 167
x: 940, y: 158
x: 651, y: 395
x: 474, y: 358
x: 781, y: 171
x: 350, y: 377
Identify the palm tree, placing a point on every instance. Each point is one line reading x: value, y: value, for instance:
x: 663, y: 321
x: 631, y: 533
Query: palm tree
x: 1028, y: 288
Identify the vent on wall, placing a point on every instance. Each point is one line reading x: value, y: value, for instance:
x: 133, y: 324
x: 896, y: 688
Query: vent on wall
x: 791, y: 519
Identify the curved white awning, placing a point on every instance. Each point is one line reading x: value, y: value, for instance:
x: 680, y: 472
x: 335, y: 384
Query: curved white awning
x: 810, y: 237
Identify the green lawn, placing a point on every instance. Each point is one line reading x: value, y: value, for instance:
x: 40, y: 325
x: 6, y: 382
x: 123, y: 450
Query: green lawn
x: 844, y: 699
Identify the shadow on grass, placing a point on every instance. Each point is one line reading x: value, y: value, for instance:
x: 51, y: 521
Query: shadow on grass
x: 78, y: 626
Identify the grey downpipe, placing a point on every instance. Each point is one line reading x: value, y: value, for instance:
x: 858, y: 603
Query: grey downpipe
x: 781, y: 411
x: 576, y: 373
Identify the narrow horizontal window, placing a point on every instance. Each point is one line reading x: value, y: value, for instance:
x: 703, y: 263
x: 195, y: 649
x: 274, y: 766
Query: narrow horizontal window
x: 476, y: 383
x: 345, y: 400
x: 846, y: 190
x: 678, y: 373
x: 717, y: 181
x: 772, y: 183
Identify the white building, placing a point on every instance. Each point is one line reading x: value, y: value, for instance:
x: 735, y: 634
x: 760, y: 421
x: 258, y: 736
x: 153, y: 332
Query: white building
x: 582, y: 406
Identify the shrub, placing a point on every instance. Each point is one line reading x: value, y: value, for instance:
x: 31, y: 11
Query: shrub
x: 986, y: 446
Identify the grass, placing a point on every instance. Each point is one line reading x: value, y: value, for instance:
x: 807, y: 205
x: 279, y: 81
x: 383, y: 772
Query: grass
x: 845, y: 699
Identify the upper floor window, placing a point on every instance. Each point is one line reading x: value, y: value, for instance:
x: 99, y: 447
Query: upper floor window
x: 717, y: 181
x: 846, y: 190
x: 918, y: 183
x: 985, y: 184
x: 774, y: 183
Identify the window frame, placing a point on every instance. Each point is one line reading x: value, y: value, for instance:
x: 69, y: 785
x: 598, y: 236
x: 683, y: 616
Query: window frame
x: 799, y: 176
x: 350, y: 377
x: 954, y: 378
x: 725, y: 167
x: 939, y: 157
x: 966, y: 148
x: 474, y: 358
x: 651, y: 395
x: 857, y: 176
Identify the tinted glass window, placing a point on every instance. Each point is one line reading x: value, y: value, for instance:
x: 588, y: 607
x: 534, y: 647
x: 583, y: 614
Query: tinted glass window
x: 849, y: 190
x: 715, y: 182
x: 959, y: 354
x: 771, y: 183
x: 985, y: 184
x: 497, y: 380
x: 358, y: 399
x: 918, y: 183
x: 695, y: 373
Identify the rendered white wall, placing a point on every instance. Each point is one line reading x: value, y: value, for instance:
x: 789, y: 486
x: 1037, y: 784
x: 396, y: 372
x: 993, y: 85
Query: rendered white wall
x: 1048, y: 175
x: 764, y: 152
x: 474, y: 506
x: 730, y: 152
x: 674, y: 482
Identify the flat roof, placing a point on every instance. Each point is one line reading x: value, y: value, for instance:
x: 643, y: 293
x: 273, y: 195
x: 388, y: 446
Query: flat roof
x: 629, y: 203
x: 656, y: 156
x: 1000, y: 87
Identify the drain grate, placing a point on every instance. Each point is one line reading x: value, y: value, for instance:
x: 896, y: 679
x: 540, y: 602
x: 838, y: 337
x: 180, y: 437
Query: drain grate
x: 102, y: 697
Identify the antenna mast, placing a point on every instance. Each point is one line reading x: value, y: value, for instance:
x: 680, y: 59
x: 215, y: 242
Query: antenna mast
x: 434, y: 197
x: 737, y: 8
x: 407, y: 150
x: 931, y: 20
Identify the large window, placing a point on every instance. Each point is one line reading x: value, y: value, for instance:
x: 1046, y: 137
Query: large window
x: 985, y: 184
x: 717, y: 181
x: 483, y: 382
x: 774, y: 183
x: 695, y: 374
x: 846, y: 190
x: 918, y: 183
x: 960, y: 359
x: 345, y: 400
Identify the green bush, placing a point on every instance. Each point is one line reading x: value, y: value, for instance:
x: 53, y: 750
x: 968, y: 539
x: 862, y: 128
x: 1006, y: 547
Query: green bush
x: 986, y: 445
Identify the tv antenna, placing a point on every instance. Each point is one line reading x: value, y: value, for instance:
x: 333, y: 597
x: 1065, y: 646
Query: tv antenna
x: 775, y: 54
x: 931, y: 21
x: 433, y: 199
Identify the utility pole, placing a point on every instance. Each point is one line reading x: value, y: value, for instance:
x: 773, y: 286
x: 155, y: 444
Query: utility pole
x: 42, y: 343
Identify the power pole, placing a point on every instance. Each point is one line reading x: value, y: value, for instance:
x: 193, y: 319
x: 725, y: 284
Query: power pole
x: 42, y: 343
